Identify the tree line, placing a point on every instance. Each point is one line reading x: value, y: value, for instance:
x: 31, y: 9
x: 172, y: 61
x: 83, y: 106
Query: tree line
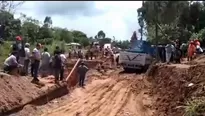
x: 183, y: 20
x: 33, y: 30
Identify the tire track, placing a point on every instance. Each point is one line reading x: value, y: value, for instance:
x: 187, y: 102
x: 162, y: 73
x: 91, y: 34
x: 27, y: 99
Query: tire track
x: 110, y: 105
x: 76, y: 99
x: 119, y: 95
x: 93, y: 96
x: 106, y: 101
x: 91, y: 101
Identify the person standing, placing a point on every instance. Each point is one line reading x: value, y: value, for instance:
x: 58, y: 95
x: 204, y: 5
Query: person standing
x: 82, y: 70
x: 80, y: 54
x: 91, y: 53
x: 27, y: 58
x: 63, y: 61
x: 45, y: 57
x: 57, y: 65
x: 56, y: 51
x: 178, y: 55
x: 16, y: 47
x: 36, y: 62
x: 191, y: 51
x: 168, y: 49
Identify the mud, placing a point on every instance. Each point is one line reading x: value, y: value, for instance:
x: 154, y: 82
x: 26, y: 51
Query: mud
x: 170, y: 84
x: 23, y: 97
x: 16, y: 92
x: 114, y: 95
x: 162, y: 92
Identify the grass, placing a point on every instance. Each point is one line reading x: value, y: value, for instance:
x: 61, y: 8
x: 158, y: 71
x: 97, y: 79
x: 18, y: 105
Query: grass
x: 4, y: 52
x: 195, y: 107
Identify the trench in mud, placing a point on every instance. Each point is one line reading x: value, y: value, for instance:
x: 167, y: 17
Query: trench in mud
x: 42, y: 100
x: 113, y: 93
x: 119, y: 94
x: 62, y: 90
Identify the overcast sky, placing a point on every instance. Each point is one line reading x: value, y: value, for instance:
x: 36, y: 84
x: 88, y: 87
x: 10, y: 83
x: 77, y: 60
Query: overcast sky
x: 115, y: 18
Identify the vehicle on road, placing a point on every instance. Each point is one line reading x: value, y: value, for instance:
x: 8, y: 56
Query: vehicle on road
x: 140, y: 56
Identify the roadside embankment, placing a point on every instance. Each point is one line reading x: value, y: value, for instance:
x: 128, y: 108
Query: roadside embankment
x: 174, y: 85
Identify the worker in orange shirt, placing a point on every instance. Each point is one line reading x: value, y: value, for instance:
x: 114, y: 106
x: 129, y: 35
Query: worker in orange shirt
x: 191, y: 50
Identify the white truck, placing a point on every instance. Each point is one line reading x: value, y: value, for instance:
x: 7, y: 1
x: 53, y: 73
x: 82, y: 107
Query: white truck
x: 139, y: 57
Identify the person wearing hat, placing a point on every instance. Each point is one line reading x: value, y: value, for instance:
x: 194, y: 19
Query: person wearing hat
x: 82, y: 70
x: 17, y: 46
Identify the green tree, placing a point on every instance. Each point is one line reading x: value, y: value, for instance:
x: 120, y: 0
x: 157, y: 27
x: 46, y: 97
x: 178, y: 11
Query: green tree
x: 47, y: 22
x: 11, y: 26
x: 176, y: 19
x: 66, y: 35
x: 101, y: 35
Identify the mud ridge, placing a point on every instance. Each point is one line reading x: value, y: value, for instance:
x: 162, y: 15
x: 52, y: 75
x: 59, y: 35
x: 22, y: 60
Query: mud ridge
x: 170, y: 84
x: 60, y: 91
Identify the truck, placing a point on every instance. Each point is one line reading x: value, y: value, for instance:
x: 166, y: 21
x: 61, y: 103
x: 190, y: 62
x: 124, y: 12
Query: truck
x: 139, y: 56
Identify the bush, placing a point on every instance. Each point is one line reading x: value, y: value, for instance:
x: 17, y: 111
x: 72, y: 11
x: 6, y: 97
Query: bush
x: 5, y: 50
x: 195, y: 107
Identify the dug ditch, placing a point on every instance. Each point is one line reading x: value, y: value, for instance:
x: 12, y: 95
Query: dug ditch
x: 161, y: 92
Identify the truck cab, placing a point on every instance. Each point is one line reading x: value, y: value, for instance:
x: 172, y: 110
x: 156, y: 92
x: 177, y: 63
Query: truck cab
x: 138, y: 57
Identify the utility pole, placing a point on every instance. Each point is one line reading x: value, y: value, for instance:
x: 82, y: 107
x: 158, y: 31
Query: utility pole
x: 156, y: 27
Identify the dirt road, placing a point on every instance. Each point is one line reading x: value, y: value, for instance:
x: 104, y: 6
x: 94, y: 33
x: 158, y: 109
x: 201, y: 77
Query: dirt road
x: 118, y: 95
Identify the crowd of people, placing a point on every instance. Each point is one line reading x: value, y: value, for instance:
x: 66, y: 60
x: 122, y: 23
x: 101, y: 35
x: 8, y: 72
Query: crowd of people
x: 24, y: 61
x: 21, y: 58
x: 175, y: 51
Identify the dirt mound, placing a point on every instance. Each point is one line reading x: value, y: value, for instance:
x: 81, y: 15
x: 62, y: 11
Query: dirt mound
x: 19, y: 91
x: 16, y: 91
x: 172, y: 85
x: 118, y: 95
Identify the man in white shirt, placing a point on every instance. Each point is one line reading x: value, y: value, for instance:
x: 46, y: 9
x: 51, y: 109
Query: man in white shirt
x: 27, y: 58
x: 63, y: 61
x: 36, y: 62
x: 45, y: 57
x: 11, y: 64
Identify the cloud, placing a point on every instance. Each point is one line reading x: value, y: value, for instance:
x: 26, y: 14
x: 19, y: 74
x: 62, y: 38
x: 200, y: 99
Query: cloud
x: 71, y: 8
x: 115, y: 18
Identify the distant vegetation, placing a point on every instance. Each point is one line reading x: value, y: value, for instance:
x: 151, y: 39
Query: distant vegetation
x: 33, y: 30
x: 181, y: 20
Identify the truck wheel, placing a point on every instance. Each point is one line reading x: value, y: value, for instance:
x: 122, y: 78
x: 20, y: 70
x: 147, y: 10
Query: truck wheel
x: 145, y: 68
x: 126, y: 69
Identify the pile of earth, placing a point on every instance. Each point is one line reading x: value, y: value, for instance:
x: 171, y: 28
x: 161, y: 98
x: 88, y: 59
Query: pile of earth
x: 17, y: 91
x: 173, y: 85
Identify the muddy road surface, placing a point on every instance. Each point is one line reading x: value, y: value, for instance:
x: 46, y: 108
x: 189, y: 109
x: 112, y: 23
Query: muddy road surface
x: 113, y: 95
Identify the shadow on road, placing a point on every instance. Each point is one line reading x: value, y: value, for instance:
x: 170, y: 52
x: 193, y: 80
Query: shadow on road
x: 132, y: 71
